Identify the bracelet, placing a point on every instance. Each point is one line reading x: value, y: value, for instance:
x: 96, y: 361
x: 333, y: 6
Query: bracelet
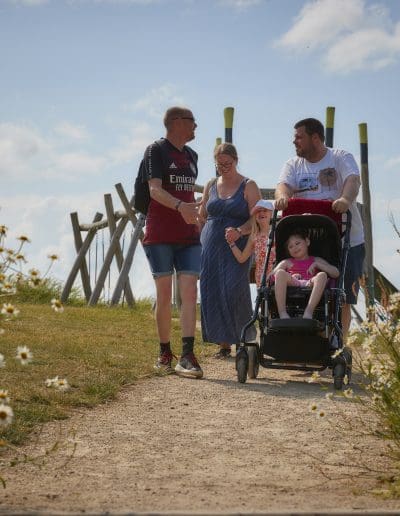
x: 178, y: 204
x: 239, y: 231
x: 232, y: 245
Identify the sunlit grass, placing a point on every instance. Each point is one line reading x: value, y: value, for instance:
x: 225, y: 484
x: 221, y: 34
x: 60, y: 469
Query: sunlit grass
x: 98, y: 350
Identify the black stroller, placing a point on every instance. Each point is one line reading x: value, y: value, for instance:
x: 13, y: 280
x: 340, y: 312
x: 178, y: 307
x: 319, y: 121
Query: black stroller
x: 297, y: 343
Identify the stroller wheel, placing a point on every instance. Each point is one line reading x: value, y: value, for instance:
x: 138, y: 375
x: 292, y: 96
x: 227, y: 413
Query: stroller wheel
x: 338, y: 376
x: 254, y: 364
x: 242, y: 362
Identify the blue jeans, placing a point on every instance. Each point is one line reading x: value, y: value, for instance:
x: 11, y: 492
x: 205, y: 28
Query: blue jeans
x: 164, y: 258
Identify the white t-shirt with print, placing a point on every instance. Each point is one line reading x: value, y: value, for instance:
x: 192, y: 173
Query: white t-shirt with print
x: 325, y: 180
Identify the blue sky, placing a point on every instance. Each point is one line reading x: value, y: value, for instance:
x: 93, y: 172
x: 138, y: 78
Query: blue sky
x: 84, y: 85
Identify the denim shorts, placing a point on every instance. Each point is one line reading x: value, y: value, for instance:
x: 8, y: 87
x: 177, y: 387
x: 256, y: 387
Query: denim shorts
x: 354, y: 271
x: 164, y: 258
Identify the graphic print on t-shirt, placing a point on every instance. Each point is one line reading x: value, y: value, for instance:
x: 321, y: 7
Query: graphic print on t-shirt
x: 179, y: 180
x: 307, y: 183
x: 328, y: 179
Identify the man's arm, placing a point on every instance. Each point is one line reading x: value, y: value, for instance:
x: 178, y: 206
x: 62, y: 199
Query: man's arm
x: 350, y: 191
x: 283, y: 192
x: 188, y: 210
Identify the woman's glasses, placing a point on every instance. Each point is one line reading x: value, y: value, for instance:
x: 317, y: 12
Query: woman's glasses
x: 224, y: 164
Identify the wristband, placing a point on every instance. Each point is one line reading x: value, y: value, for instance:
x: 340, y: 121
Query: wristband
x: 239, y: 231
x: 177, y: 205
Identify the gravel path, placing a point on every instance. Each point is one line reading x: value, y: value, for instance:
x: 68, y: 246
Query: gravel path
x: 211, y: 445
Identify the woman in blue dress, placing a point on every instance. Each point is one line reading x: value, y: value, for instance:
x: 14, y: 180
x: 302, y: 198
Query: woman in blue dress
x: 224, y: 282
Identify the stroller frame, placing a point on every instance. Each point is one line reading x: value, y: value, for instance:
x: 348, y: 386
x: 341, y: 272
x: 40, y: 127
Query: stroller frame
x: 297, y: 343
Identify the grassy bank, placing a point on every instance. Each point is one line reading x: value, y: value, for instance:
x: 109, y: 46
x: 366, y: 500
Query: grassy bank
x: 98, y: 350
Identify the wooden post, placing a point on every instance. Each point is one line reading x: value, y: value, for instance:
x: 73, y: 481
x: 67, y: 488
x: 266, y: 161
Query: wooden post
x: 126, y: 267
x: 118, y: 252
x: 107, y: 260
x: 79, y: 260
x: 78, y: 244
x: 330, y: 121
x: 370, y: 298
x: 228, y: 118
x: 138, y: 224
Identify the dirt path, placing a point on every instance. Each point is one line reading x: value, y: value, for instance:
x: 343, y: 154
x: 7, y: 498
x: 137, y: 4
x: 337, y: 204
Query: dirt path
x: 173, y: 444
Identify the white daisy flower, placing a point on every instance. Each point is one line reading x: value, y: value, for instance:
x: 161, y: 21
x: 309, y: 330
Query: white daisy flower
x: 6, y: 415
x: 62, y: 384
x: 56, y: 305
x: 9, y: 309
x: 24, y: 355
x: 51, y: 382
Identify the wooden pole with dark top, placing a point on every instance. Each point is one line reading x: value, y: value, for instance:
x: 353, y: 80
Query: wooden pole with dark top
x: 367, y: 220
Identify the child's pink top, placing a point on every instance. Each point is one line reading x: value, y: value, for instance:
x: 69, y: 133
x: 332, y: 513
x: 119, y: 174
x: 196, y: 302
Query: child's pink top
x: 260, y: 253
x: 301, y: 267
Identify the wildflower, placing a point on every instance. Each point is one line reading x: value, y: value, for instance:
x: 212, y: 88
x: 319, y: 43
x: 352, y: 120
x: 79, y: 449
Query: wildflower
x: 34, y: 273
x: 2, y: 276
x: 329, y: 395
x: 23, y: 238
x: 51, y: 382
x: 62, y: 384
x: 8, y: 288
x: 337, y: 353
x: 6, y: 415
x: 315, y: 377
x: 24, y: 355
x: 9, y: 309
x: 321, y: 413
x: 34, y: 282
x: 20, y: 257
x: 313, y: 407
x: 56, y: 305
x: 348, y: 393
x: 2, y: 361
x: 53, y: 257
x: 3, y: 229
x: 4, y: 399
x: 346, y: 379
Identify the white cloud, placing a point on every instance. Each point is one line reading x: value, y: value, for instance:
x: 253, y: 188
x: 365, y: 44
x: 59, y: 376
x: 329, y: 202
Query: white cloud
x: 157, y: 101
x: 72, y: 131
x: 320, y: 22
x: 27, y: 155
x: 349, y: 35
x: 240, y: 4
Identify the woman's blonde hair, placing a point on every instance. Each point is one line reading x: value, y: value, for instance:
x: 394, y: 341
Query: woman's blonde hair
x: 226, y: 148
x: 255, y: 226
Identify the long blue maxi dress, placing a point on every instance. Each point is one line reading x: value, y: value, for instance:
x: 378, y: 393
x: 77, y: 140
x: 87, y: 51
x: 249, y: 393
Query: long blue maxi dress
x: 224, y: 282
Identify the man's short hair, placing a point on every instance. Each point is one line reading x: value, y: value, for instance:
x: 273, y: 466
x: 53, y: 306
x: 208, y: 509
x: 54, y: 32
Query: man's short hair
x: 175, y: 112
x: 312, y: 126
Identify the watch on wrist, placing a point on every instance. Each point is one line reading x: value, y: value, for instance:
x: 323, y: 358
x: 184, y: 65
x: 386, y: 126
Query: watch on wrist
x: 239, y: 231
x: 178, y: 204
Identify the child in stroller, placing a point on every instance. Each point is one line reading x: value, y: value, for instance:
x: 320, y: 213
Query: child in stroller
x: 296, y: 341
x: 301, y: 270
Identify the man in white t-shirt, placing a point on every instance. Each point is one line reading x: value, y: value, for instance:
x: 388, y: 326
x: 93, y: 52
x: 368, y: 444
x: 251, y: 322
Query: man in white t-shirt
x: 319, y: 172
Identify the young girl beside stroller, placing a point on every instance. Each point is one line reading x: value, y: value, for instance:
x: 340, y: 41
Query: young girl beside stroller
x: 301, y: 270
x: 258, y: 238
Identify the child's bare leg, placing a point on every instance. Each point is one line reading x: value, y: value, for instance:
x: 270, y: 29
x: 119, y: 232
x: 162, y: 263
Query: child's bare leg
x: 282, y: 279
x: 318, y: 283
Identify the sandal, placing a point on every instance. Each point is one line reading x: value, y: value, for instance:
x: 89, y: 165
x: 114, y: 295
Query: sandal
x: 223, y: 353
